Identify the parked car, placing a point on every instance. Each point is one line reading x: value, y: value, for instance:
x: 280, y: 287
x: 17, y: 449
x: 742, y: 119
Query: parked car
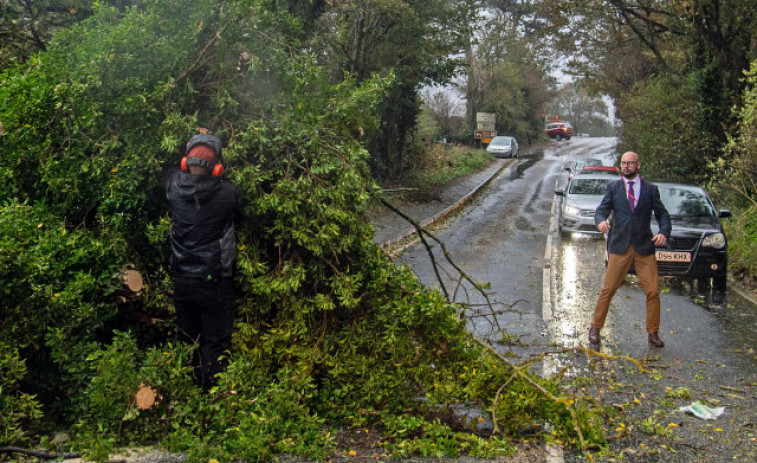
x: 503, y: 147
x: 599, y: 169
x: 574, y: 167
x: 580, y: 200
x: 697, y: 247
x: 559, y: 130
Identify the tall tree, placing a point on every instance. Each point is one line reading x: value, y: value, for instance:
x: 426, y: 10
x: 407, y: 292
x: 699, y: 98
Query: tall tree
x: 582, y: 110
x: 446, y: 109
x: 621, y: 42
x: 415, y: 41
x: 506, y: 75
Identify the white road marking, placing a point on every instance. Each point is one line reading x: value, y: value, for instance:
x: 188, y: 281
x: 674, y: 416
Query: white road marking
x: 554, y: 453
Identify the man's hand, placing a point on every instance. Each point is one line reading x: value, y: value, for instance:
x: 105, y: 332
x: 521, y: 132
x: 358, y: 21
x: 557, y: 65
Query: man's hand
x: 659, y: 239
x: 603, y: 226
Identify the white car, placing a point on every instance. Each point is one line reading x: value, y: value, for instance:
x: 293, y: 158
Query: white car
x: 581, y: 197
x: 503, y: 147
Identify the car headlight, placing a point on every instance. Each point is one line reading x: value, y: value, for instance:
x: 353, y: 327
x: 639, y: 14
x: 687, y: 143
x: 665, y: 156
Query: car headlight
x: 716, y: 240
x: 572, y: 210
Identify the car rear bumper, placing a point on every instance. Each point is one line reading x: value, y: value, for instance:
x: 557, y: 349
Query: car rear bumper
x: 705, y: 263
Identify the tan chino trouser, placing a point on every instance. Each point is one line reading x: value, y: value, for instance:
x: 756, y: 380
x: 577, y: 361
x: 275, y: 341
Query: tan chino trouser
x: 617, y: 268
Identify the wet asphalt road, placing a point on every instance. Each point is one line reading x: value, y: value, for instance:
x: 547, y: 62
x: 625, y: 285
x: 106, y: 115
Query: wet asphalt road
x: 499, y: 239
x: 543, y: 289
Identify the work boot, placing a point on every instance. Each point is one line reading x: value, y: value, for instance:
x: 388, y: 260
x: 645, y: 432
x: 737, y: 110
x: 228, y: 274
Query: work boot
x: 593, y: 335
x: 654, y: 340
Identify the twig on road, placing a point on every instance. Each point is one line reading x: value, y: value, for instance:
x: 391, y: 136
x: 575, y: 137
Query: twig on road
x: 422, y: 233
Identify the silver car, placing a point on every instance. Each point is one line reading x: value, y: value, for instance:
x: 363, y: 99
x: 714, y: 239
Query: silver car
x: 503, y: 147
x: 581, y: 197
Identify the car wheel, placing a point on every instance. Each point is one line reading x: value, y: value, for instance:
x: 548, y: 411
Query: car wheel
x: 558, y: 137
x: 719, y: 284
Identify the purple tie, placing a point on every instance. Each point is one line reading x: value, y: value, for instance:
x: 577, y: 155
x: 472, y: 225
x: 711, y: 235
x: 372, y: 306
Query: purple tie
x: 631, y: 202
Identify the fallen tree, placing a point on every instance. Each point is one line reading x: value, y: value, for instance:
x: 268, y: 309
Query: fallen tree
x: 329, y: 331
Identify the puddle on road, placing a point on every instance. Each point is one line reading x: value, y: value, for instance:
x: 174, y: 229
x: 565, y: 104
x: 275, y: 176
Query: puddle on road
x: 523, y: 224
x: 524, y: 163
x: 575, y: 288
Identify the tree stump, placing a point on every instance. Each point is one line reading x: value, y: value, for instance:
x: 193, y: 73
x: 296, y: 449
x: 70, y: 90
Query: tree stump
x: 145, y: 397
x: 132, y: 280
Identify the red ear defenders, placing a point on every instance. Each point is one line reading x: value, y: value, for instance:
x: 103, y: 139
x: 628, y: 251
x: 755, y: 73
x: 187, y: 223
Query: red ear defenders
x: 216, y: 168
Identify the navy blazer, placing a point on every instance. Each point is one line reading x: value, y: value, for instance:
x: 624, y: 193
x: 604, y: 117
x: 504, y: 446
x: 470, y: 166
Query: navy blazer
x: 632, y: 228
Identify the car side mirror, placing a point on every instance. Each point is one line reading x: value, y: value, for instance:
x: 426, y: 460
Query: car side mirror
x: 724, y: 213
x: 559, y: 192
x: 567, y: 168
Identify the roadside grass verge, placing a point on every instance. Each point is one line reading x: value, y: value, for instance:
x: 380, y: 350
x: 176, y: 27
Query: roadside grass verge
x: 741, y: 231
x: 440, y: 165
x: 446, y: 163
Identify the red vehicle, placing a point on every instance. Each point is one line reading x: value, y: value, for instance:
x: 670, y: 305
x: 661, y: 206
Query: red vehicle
x: 559, y: 130
x: 574, y: 167
x: 599, y: 169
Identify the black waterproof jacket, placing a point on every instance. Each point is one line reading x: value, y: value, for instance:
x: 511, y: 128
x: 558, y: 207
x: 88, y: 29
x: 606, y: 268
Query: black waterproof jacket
x: 202, y: 232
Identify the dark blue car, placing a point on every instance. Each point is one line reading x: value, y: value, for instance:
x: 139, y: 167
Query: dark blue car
x: 698, y: 248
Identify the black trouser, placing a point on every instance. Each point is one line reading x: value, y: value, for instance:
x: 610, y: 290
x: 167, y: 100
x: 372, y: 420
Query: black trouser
x: 205, y: 315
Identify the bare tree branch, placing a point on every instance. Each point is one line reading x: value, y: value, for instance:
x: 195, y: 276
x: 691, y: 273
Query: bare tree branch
x: 423, y: 231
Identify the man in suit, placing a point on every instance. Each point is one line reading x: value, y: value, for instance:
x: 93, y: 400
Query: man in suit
x: 632, y: 202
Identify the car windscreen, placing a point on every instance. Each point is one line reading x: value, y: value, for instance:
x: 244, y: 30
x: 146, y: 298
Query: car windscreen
x: 602, y: 169
x: 501, y: 141
x: 589, y: 186
x: 588, y: 162
x: 686, y: 201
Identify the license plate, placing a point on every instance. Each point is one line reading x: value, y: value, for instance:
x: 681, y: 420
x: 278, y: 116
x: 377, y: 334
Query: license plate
x: 670, y: 256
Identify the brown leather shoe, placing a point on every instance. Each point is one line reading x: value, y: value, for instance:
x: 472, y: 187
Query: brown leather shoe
x: 593, y: 335
x: 654, y: 339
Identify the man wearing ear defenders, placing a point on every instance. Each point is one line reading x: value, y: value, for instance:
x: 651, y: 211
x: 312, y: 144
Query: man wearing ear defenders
x: 203, y: 251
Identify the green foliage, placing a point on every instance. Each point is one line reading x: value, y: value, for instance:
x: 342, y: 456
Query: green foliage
x: 434, y: 439
x: 736, y: 170
x: 741, y: 231
x: 444, y: 163
x: 428, y: 127
x: 586, y: 113
x: 329, y: 330
x: 57, y: 296
x: 439, y: 164
x: 506, y: 77
x: 414, y: 40
x: 17, y: 409
x: 28, y: 27
x: 661, y: 123
x: 735, y: 186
